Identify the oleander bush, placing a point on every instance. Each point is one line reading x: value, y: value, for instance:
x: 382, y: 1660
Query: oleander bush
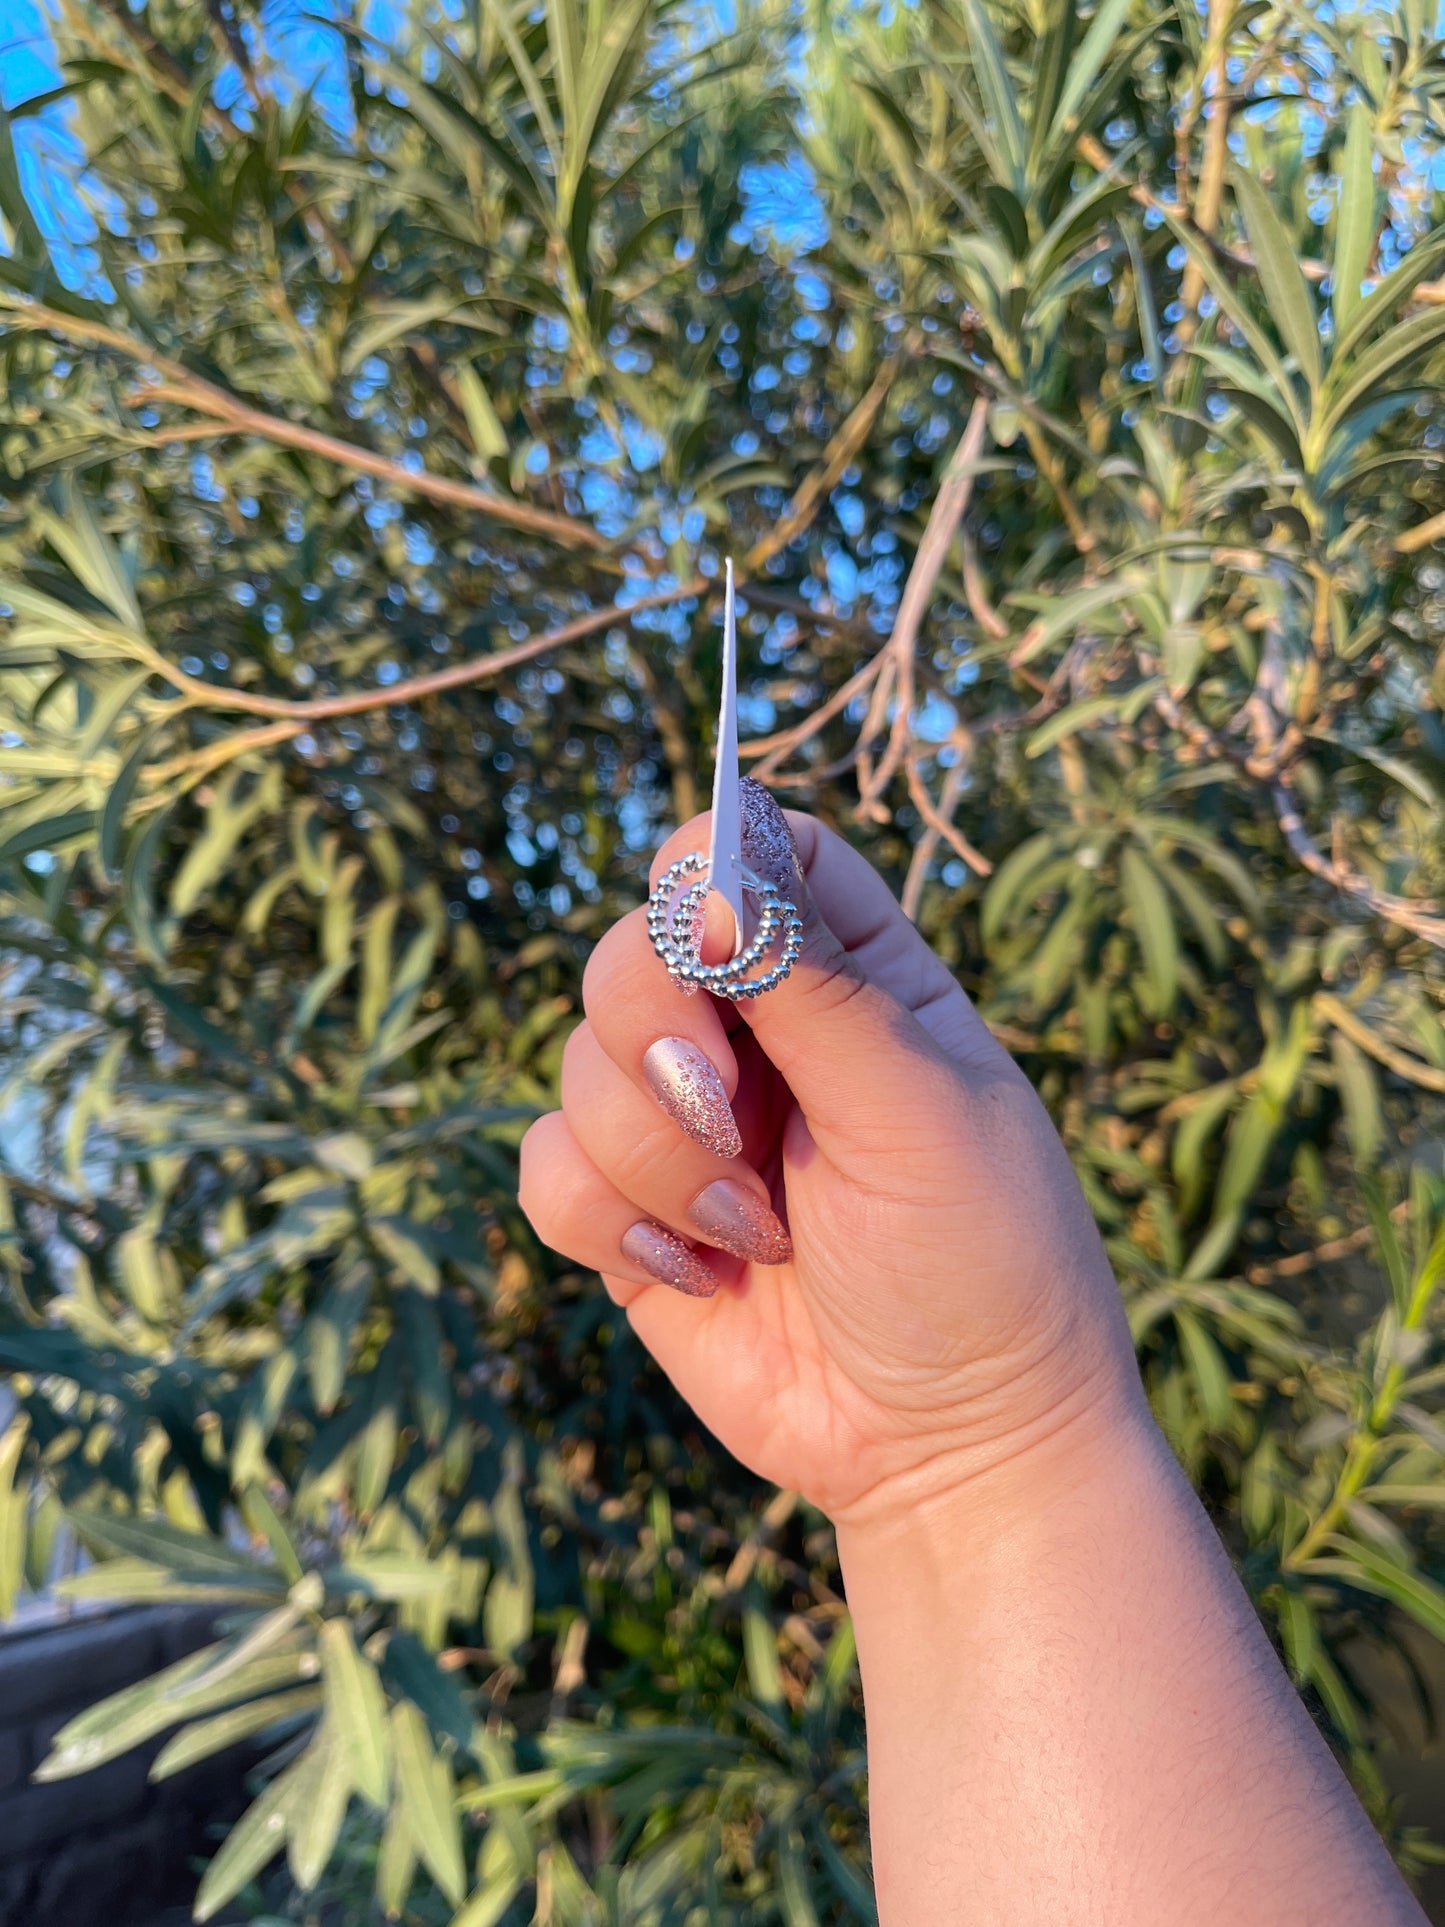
x: 382, y: 395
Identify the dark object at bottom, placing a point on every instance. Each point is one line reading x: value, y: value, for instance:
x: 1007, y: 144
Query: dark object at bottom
x: 106, y: 1849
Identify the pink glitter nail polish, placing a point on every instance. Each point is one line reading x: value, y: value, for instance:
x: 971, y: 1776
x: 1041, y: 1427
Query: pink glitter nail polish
x: 734, y: 1218
x: 688, y: 1087
x: 665, y: 1257
x: 768, y: 846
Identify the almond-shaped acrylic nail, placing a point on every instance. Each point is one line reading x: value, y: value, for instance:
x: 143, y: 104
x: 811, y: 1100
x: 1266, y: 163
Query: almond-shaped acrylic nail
x: 689, y: 1088
x: 665, y: 1257
x: 734, y: 1218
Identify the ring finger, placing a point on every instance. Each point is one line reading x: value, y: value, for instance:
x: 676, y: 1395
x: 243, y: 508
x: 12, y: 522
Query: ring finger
x: 670, y: 1176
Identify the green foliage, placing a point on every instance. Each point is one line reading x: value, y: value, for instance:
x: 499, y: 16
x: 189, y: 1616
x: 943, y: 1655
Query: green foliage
x: 368, y: 472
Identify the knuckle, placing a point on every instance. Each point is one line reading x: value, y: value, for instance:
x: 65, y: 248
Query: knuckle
x: 614, y: 961
x: 541, y: 1143
x: 637, y: 1163
x: 576, y: 1047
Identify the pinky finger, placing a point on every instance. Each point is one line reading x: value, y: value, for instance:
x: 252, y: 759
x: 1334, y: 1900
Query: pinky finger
x: 580, y: 1213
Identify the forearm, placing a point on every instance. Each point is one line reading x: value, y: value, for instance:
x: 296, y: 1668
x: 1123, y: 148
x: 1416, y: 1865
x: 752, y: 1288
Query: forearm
x: 1074, y: 1716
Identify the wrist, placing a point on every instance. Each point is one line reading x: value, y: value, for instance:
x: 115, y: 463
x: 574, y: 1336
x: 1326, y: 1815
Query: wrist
x: 971, y: 1493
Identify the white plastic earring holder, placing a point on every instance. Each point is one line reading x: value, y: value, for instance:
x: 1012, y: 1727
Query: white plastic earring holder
x: 677, y: 908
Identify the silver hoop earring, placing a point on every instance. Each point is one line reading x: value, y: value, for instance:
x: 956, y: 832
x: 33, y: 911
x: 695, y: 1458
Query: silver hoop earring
x: 676, y: 912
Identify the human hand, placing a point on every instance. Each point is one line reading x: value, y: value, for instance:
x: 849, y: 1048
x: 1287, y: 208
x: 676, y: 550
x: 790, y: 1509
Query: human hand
x: 944, y: 1305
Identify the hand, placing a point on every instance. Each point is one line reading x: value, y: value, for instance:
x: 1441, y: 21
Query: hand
x: 944, y: 1304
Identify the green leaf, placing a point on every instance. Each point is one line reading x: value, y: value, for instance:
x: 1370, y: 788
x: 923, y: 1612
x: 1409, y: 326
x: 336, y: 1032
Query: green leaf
x: 323, y: 1790
x: 257, y: 1837
x: 1353, y: 381
x: 424, y: 1787
x: 1000, y: 97
x: 1285, y: 288
x: 197, y: 1684
x: 1010, y: 880
x: 14, y: 1512
x: 1374, y: 1571
x: 1221, y: 287
x: 760, y: 1650
x: 1089, y: 61
x: 403, y: 1242
x: 1392, y: 292
x: 389, y: 321
x: 1153, y: 921
x: 1083, y: 715
x: 396, y: 1862
x: 412, y: 1673
x: 1068, y: 613
x: 1356, y: 223
x: 330, y: 1330
x: 187, y: 1554
x: 1360, y: 1095
x: 389, y: 1575
x: 93, y: 558
x: 1207, y: 1369
x: 507, y: 1616
x: 51, y: 833
x: 1298, y: 1633
x: 489, y: 438
x: 120, y: 795
x: 793, y: 1891
x: 1387, y: 1244
x: 355, y: 1712
x: 203, y: 1738
x: 228, y: 818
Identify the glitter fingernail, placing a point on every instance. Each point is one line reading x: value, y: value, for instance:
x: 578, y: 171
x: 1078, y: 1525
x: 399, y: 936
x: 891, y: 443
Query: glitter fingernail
x: 768, y: 844
x: 665, y: 1257
x: 734, y: 1218
x: 687, y: 1086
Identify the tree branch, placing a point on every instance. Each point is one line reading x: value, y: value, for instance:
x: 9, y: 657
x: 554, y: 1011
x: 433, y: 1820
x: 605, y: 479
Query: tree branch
x: 898, y: 668
x: 172, y: 381
x: 1414, y: 1069
x: 1421, y: 919
x: 457, y: 676
x: 845, y: 444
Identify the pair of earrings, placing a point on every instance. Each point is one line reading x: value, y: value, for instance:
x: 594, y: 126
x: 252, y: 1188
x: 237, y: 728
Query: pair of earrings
x: 677, y: 908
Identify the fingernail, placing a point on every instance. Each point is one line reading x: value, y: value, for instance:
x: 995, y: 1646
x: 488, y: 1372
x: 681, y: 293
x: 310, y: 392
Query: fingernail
x: 687, y: 1086
x: 768, y: 842
x: 668, y: 1259
x: 734, y: 1218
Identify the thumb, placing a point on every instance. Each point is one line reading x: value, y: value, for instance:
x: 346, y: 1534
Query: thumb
x: 843, y: 1037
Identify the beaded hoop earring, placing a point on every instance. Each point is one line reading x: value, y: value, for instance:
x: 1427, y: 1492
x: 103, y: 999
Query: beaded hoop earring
x: 675, y: 916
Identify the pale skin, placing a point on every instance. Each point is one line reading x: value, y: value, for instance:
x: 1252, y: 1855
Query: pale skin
x: 1073, y: 1714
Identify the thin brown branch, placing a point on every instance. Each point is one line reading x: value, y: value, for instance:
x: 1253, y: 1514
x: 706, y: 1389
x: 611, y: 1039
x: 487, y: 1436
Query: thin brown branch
x: 1299, y: 1262
x: 231, y: 43
x: 1422, y: 919
x: 1209, y: 198
x: 783, y: 741
x: 811, y: 493
x: 162, y: 378
x: 1424, y: 533
x: 979, y: 606
x: 167, y: 71
x: 1428, y: 1076
x: 1240, y: 260
x: 939, y: 826
x: 774, y: 1516
x: 948, y: 508
x: 457, y: 676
